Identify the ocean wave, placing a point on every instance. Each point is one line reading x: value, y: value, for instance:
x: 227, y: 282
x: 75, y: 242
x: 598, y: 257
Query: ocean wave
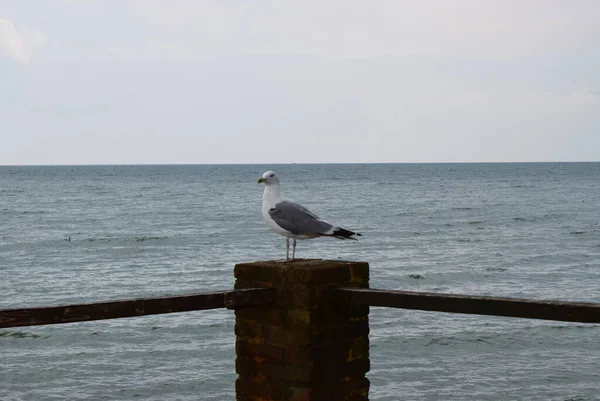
x: 452, y: 340
x: 126, y: 239
x: 12, y: 191
x: 21, y: 334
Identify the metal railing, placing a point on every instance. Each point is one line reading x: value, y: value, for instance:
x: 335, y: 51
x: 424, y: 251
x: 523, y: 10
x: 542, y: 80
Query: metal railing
x: 234, y: 299
x: 471, y: 304
x: 237, y: 299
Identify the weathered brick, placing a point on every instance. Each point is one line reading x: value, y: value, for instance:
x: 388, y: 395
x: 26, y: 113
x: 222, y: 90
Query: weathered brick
x: 302, y: 355
x: 277, y: 335
x: 354, y: 385
x: 302, y: 347
x: 305, y: 271
x: 359, y: 349
x: 267, y: 391
x: 258, y: 366
x: 359, y: 274
x: 272, y: 352
x: 339, y: 369
x: 348, y: 388
x: 346, y: 330
x: 330, y: 313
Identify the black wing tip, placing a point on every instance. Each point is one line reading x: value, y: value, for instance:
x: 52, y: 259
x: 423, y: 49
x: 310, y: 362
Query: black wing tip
x: 342, y: 233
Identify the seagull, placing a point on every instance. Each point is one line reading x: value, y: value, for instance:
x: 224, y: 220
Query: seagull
x: 293, y: 220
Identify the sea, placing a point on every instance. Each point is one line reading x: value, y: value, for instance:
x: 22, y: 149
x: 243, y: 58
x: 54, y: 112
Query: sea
x: 76, y: 234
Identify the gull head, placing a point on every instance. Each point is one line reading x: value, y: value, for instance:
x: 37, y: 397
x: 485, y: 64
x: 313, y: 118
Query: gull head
x: 269, y: 178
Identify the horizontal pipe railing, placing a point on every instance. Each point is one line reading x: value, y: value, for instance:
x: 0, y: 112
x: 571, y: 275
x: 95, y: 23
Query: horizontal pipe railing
x: 470, y: 304
x: 237, y: 299
x: 233, y: 299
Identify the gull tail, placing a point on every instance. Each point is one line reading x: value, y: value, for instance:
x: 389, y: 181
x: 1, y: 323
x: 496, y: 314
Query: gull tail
x: 342, y: 233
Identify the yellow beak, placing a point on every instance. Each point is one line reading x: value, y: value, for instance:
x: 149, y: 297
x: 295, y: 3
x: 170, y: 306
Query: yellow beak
x: 261, y: 180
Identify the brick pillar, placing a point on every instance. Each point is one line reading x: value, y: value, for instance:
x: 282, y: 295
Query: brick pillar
x: 302, y: 348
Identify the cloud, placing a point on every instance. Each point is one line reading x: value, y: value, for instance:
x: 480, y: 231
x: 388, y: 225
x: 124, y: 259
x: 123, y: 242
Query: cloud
x: 19, y: 47
x: 360, y: 29
x: 11, y: 43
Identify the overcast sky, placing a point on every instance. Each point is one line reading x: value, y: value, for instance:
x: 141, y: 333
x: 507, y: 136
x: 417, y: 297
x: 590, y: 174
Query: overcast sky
x: 155, y: 81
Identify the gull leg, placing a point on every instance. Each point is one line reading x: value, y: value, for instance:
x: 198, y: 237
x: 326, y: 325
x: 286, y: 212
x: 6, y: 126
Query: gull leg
x: 287, y: 248
x: 294, y: 249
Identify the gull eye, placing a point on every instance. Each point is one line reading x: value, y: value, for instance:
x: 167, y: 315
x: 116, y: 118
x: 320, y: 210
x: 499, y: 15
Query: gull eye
x: 272, y: 175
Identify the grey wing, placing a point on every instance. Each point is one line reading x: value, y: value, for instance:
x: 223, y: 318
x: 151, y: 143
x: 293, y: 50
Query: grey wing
x: 298, y: 220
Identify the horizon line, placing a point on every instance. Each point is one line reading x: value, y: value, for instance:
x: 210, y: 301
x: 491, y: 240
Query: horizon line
x: 293, y: 163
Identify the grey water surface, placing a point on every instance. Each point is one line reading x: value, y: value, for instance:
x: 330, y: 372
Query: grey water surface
x: 517, y: 230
